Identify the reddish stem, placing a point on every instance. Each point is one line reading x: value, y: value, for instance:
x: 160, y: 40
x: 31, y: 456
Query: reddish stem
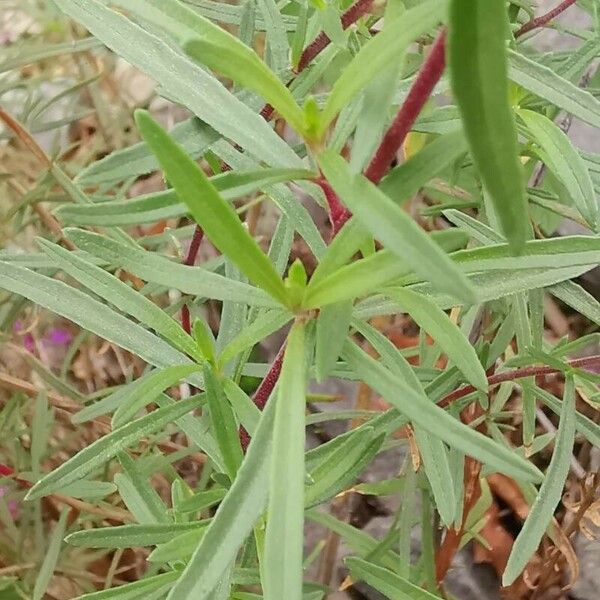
x: 6, y: 471
x: 588, y: 361
x: 544, y: 19
x: 338, y: 213
x: 189, y: 261
x: 264, y: 391
x: 353, y: 14
x: 430, y: 73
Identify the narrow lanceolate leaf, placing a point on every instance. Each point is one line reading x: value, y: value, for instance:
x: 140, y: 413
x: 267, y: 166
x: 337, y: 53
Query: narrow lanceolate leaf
x: 147, y: 391
x: 156, y: 206
x: 120, y: 295
x: 234, y: 519
x: 224, y: 426
x: 576, y: 297
x: 395, y: 228
x: 149, y: 587
x: 375, y: 56
x: 433, y: 452
x: 51, y: 557
x: 247, y: 70
x: 222, y: 52
x: 405, y: 180
x: 478, y: 67
x: 142, y: 500
x: 264, y: 325
x: 557, y: 151
x: 444, y: 332
x: 435, y: 420
x: 148, y: 498
x: 548, y: 85
x: 90, y: 314
x: 550, y: 492
x: 101, y: 451
x: 332, y: 328
x: 131, y: 536
x: 154, y: 268
x: 282, y: 565
x: 194, y: 135
x: 340, y: 468
x: 189, y: 84
x: 216, y: 217
x: 392, y: 586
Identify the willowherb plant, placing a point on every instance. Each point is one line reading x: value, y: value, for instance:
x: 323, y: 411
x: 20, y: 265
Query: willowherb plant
x: 352, y: 88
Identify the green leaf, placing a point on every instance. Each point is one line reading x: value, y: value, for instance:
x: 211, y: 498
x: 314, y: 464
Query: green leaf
x: 588, y: 428
x: 436, y: 464
x: 436, y: 420
x: 277, y: 42
x: 284, y: 538
x: 89, y: 314
x: 223, y: 422
x: 104, y: 449
x: 333, y: 323
x: 178, y: 548
x: 550, y: 492
x: 395, y: 228
x: 247, y: 412
x: 194, y: 135
x: 576, y: 297
x: 433, y: 452
x: 263, y: 326
x: 563, y: 160
x: 204, y: 339
x: 149, y: 587
x: 377, y: 100
x: 29, y: 55
x: 478, y: 68
x: 234, y: 519
x: 51, y: 556
x: 147, y: 391
x: 211, y: 212
x: 405, y: 180
x: 202, y: 500
x: 154, y: 207
x: 364, y: 276
x: 89, y: 490
x: 385, y: 581
x: 146, y: 498
x: 247, y: 70
x: 342, y: 248
x: 157, y: 269
x: 356, y: 539
x: 215, y: 47
x: 138, y: 495
x: 375, y: 56
x: 444, y: 332
x: 340, y: 468
x: 550, y: 86
x: 121, y: 295
x: 131, y: 536
x: 202, y: 93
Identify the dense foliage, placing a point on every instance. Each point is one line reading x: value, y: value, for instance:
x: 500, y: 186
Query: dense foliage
x: 428, y: 134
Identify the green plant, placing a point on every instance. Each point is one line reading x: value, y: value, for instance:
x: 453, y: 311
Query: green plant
x: 491, y: 267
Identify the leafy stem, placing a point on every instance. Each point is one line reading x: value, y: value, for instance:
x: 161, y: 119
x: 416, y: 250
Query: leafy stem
x: 353, y: 14
x: 545, y: 18
x: 422, y: 88
x: 189, y: 261
x: 533, y: 371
